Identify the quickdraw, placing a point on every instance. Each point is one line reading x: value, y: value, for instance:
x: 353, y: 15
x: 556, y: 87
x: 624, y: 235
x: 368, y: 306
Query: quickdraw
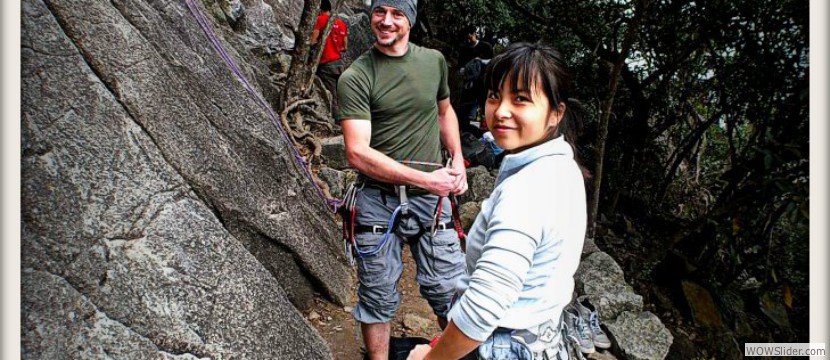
x: 456, y: 220
x: 456, y: 216
x: 347, y: 214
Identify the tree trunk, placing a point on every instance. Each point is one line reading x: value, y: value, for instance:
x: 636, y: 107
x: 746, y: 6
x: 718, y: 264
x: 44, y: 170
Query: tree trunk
x: 608, y: 106
x: 682, y: 153
x: 295, y: 84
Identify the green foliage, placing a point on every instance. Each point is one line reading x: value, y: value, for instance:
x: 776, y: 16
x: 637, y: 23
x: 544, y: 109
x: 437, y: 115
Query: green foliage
x: 710, y: 123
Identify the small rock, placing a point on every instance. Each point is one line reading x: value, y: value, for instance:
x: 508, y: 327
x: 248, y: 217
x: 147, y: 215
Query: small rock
x: 601, y: 355
x: 328, y: 318
x: 348, y: 309
x: 335, y: 179
x: 704, y: 311
x: 468, y: 213
x: 640, y: 336
x: 589, y: 247
x: 313, y: 315
x: 334, y: 153
x: 416, y: 323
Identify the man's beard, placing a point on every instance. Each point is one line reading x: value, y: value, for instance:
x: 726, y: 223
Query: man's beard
x: 387, y: 43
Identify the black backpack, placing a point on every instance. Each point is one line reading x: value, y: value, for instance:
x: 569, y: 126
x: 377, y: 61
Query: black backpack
x: 399, y: 347
x: 478, y: 153
x: 473, y: 72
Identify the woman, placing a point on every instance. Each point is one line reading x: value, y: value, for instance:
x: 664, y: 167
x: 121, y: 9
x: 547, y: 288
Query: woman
x: 525, y: 244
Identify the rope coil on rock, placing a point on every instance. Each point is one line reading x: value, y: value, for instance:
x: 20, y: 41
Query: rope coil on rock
x: 229, y: 61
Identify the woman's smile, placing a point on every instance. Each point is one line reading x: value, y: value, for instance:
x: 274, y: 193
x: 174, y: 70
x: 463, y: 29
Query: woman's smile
x: 520, y: 117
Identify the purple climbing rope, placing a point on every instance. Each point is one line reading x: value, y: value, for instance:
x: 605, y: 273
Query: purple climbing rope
x: 208, y: 29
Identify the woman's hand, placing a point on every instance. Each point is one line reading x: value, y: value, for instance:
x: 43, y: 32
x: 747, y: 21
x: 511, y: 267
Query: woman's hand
x: 419, y: 352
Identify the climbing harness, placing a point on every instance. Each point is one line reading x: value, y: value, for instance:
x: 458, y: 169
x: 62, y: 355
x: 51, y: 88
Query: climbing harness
x: 400, y: 190
x: 376, y: 249
x: 423, y: 164
x: 348, y: 212
x: 436, y: 215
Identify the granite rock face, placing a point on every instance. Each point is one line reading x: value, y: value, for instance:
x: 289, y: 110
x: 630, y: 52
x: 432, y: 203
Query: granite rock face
x: 265, y: 26
x: 163, y: 215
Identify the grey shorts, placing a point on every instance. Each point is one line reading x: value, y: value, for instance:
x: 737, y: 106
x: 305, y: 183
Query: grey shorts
x: 438, y: 259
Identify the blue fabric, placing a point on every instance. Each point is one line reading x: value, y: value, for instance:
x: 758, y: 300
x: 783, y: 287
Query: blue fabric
x: 525, y: 244
x: 501, y: 346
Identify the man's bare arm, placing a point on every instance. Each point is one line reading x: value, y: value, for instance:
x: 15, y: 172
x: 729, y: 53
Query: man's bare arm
x: 345, y: 42
x: 314, y: 35
x: 453, y: 344
x: 357, y: 135
x: 448, y: 122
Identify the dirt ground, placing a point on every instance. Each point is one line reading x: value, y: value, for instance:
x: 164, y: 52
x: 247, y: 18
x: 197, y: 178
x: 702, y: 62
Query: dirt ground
x: 336, y: 325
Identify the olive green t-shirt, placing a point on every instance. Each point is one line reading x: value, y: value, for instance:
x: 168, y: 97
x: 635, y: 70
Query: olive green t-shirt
x: 399, y: 95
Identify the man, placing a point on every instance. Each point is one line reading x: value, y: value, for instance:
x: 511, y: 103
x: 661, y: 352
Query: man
x: 395, y: 114
x: 474, y: 47
x: 337, y: 43
x: 473, y: 93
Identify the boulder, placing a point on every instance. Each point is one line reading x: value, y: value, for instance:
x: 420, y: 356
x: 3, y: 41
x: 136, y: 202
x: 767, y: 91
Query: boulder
x: 163, y: 214
x: 334, y: 153
x: 468, y: 213
x: 601, y: 279
x: 639, y: 336
x: 597, y: 273
x: 361, y: 37
x: 589, y: 247
x: 334, y: 179
x: 481, y: 184
x: 704, y: 311
x: 265, y: 26
x: 616, y: 301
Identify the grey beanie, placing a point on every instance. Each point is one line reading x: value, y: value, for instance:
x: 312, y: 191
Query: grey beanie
x: 408, y: 7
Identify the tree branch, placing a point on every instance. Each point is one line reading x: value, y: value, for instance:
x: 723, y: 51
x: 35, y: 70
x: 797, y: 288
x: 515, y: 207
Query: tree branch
x: 630, y: 33
x: 679, y: 156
